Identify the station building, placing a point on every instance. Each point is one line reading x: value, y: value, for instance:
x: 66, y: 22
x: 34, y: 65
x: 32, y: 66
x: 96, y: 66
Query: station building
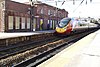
x: 22, y: 17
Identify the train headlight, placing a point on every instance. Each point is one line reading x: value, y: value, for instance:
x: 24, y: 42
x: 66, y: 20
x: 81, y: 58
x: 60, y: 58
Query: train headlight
x: 56, y: 27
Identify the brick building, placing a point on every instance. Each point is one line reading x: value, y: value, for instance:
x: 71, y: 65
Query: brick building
x: 16, y: 17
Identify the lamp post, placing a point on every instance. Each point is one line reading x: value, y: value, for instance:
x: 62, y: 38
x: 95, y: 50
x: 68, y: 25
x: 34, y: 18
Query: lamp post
x: 56, y: 11
x: 32, y: 27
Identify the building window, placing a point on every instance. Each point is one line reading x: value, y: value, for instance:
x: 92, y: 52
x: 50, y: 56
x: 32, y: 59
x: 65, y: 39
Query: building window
x: 28, y: 23
x: 3, y: 5
x: 51, y: 24
x: 34, y: 24
x: 23, y: 23
x: 41, y: 24
x: 42, y: 11
x: 54, y: 13
x: 10, y: 22
x: 49, y: 12
x: 48, y: 25
x: 56, y: 23
x: 48, y: 21
x: 17, y: 21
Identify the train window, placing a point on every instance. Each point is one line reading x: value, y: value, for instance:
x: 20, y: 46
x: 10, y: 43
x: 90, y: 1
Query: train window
x: 64, y: 22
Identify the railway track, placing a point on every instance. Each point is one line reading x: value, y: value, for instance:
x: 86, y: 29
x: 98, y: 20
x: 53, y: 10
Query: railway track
x: 22, y: 47
x: 38, y: 54
x: 41, y: 57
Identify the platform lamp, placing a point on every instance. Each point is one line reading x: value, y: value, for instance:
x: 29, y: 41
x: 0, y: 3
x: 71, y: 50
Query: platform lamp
x: 32, y: 15
x: 56, y: 11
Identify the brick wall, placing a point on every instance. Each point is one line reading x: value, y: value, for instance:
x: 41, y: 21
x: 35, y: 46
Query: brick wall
x: 21, y: 10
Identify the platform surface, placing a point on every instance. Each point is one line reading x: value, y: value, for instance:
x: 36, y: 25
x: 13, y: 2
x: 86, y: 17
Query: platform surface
x: 10, y: 35
x: 84, y: 53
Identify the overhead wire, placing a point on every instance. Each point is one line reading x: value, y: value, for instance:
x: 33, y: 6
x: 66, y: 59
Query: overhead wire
x: 79, y: 5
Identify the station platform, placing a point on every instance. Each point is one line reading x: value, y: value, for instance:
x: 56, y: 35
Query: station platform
x: 84, y: 53
x: 18, y: 34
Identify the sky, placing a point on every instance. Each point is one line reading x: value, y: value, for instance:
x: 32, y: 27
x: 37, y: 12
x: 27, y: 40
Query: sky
x: 92, y: 9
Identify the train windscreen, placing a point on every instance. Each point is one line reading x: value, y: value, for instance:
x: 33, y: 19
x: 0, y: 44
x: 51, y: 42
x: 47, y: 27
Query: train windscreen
x: 64, y: 22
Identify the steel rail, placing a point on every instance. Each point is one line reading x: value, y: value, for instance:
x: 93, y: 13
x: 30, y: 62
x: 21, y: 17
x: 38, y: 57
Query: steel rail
x: 34, y: 61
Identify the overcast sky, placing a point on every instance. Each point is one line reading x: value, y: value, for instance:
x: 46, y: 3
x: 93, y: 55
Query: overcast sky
x: 89, y: 10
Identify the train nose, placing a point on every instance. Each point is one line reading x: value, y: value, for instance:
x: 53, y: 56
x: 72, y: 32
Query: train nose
x: 60, y: 30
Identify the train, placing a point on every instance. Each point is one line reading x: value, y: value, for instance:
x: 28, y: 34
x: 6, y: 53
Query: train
x: 67, y: 26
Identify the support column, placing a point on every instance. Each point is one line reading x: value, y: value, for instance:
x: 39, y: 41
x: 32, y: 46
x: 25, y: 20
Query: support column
x: 2, y: 17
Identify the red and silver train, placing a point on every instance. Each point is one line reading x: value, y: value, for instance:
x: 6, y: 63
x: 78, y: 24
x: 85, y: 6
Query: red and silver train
x: 67, y: 25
